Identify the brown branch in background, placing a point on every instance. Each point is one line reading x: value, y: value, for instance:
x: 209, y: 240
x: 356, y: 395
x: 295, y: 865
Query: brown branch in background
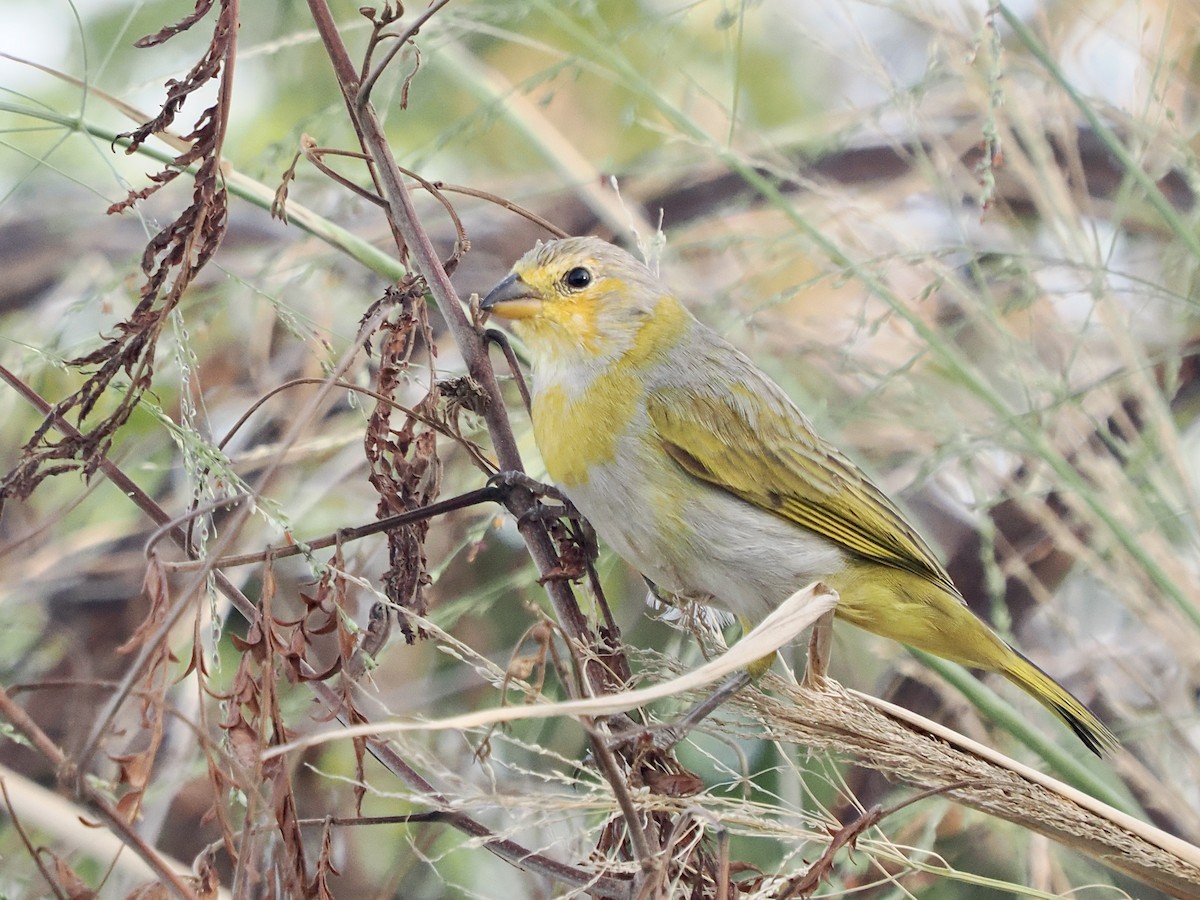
x: 380, y: 19
x: 315, y: 155
x: 99, y: 803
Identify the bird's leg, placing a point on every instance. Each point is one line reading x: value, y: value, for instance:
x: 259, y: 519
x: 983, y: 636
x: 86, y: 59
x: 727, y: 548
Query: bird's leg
x: 541, y: 490
x: 683, y: 726
x: 511, y: 479
x: 819, y: 648
x: 578, y: 546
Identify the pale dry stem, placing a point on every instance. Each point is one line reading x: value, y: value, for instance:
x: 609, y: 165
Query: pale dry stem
x: 837, y: 720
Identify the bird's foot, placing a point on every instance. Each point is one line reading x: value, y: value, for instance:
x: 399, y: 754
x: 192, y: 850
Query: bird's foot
x: 512, y: 479
x: 585, y: 535
x: 540, y: 490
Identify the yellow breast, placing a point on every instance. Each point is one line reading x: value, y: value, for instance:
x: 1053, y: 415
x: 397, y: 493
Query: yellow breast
x: 577, y: 431
x: 583, y: 407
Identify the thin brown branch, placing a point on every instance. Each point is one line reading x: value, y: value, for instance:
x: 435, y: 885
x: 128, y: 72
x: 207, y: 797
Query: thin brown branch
x: 848, y: 835
x: 472, y: 449
x: 100, y: 804
x: 600, y: 886
x: 315, y: 156
x: 345, y: 535
x: 597, y: 885
x: 505, y: 204
x: 188, y: 518
x: 642, y: 851
x: 29, y: 848
x: 363, y: 95
x: 500, y: 339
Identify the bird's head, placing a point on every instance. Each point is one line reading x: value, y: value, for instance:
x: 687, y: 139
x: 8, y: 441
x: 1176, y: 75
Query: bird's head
x: 579, y: 300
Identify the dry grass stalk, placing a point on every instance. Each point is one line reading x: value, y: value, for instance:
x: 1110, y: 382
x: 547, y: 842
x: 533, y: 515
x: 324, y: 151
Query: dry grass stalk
x: 908, y: 747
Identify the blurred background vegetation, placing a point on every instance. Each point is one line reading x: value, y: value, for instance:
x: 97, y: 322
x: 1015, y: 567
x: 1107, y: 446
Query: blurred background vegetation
x: 964, y: 239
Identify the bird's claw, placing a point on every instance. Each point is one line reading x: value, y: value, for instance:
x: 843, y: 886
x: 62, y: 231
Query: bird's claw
x: 512, y: 479
x: 537, y: 513
x: 545, y: 514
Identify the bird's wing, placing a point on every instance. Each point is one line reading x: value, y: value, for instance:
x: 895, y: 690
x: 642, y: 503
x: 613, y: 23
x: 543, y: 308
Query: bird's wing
x: 759, y: 447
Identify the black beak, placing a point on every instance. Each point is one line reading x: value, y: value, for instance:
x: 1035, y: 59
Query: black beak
x: 512, y: 299
x: 511, y: 288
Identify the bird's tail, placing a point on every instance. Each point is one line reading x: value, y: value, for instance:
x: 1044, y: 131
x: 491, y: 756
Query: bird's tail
x: 1027, y: 676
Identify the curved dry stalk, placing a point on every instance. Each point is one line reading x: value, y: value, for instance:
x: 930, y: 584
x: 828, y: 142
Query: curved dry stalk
x: 784, y: 623
x: 56, y: 815
x: 172, y: 877
x: 920, y: 752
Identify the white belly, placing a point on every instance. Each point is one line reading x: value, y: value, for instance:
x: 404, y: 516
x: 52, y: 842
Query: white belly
x: 698, y: 541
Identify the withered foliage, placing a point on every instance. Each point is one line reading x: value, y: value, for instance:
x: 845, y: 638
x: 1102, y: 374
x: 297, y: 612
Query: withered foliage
x: 406, y: 470
x: 272, y: 652
x: 170, y: 262
x: 136, y: 768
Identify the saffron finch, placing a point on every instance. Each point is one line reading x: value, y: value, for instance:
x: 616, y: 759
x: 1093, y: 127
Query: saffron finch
x: 697, y: 469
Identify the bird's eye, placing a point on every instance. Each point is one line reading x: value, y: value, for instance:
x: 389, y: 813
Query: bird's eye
x: 577, y: 278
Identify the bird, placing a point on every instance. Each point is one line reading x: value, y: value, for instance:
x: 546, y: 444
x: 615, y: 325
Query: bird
x: 699, y: 471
